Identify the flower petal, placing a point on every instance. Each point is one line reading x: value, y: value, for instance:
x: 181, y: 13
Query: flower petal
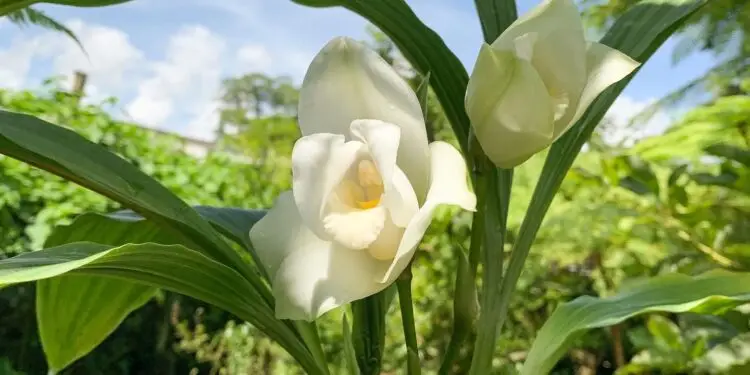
x: 560, y: 59
x: 550, y: 17
x: 382, y: 139
x: 279, y: 232
x: 355, y: 229
x: 319, y: 162
x: 320, y: 276
x: 449, y: 185
x: 386, y: 246
x: 605, y: 67
x: 346, y: 81
x: 558, y: 53
x: 509, y: 107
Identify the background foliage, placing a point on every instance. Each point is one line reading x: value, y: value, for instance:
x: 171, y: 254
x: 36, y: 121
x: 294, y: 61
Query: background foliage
x: 674, y: 202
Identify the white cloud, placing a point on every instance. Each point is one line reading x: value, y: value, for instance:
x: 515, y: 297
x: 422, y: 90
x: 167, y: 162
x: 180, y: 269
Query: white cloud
x: 109, y: 56
x: 254, y: 57
x: 188, y: 77
x: 619, y: 115
x: 16, y: 61
x: 204, y: 121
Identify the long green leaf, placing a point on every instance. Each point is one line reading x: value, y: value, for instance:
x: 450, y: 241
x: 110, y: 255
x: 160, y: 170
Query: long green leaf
x: 638, y: 33
x: 712, y: 292
x: 495, y: 16
x: 65, y: 301
x: 422, y: 47
x: 67, y: 154
x: 7, y: 6
x: 234, y: 223
x: 75, y: 313
x: 171, y: 267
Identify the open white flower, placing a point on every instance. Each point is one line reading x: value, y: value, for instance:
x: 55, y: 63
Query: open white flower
x: 536, y: 80
x: 365, y: 186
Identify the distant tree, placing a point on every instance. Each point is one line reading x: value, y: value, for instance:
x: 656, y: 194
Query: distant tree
x: 258, y: 115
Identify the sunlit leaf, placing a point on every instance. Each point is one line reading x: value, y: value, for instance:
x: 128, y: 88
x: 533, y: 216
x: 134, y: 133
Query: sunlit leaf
x: 69, y: 155
x: 171, y: 267
x: 75, y: 313
x: 713, y: 292
x: 8, y: 6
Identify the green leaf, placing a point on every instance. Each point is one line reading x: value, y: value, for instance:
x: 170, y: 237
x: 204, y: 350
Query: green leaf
x: 677, y: 172
x: 422, y: 92
x: 638, y: 33
x: 727, y: 358
x: 422, y: 47
x: 350, y: 358
x: 642, y: 174
x: 369, y: 331
x: 69, y: 155
x: 666, y: 334
x: 8, y: 6
x: 712, y: 292
x: 171, y: 267
x: 31, y: 16
x: 75, y: 313
x: 495, y: 16
x: 86, y: 3
x: 738, y: 154
x: 234, y: 223
x: 62, y: 299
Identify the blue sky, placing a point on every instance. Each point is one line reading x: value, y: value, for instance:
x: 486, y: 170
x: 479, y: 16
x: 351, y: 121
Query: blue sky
x: 164, y: 58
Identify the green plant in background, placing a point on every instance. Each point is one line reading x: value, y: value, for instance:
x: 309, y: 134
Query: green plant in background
x: 205, y: 252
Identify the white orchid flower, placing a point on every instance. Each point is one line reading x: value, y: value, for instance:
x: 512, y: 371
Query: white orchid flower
x: 536, y: 80
x: 365, y: 186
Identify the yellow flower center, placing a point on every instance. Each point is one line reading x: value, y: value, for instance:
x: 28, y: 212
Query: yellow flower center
x: 366, y: 190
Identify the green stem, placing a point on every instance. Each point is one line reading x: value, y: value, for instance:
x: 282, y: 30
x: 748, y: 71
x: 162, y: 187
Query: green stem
x: 407, y: 317
x: 308, y: 331
x: 369, y: 332
x: 498, y: 187
x: 465, y: 295
x: 522, y: 246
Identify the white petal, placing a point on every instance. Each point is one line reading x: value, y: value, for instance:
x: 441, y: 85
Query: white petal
x: 346, y: 81
x: 382, y: 139
x: 605, y: 67
x: 321, y: 276
x: 355, y: 229
x: 551, y: 16
x: 386, y: 246
x: 509, y: 107
x: 560, y: 59
x: 448, y: 185
x: 279, y: 233
x: 319, y: 162
x: 558, y: 52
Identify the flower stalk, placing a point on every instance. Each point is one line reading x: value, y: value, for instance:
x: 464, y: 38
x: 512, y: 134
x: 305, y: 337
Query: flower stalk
x: 407, y: 318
